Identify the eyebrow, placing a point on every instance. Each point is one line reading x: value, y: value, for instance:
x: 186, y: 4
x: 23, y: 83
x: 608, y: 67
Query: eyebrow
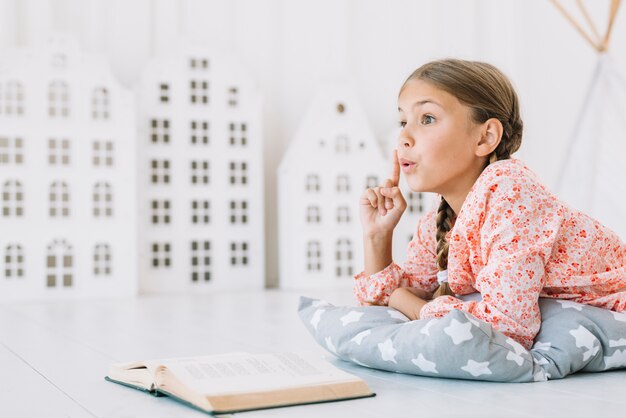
x: 421, y: 103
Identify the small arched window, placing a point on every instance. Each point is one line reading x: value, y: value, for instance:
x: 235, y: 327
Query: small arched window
x: 58, y: 100
x: 14, y: 261
x: 59, y: 264
x: 100, y: 106
x: 12, y: 199
x: 102, y: 200
x: 102, y: 260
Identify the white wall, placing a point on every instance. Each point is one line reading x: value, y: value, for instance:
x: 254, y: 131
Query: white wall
x: 289, y: 45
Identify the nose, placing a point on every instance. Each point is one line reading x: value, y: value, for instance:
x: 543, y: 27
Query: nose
x: 405, y: 140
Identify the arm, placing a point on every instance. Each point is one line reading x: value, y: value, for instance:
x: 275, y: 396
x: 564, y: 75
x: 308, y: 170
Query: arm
x: 409, y: 301
x: 516, y: 239
x: 419, y: 270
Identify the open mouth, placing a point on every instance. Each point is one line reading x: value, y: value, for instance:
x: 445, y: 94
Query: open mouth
x: 406, y: 163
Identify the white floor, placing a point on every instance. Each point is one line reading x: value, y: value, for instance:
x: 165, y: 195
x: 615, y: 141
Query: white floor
x: 54, y: 355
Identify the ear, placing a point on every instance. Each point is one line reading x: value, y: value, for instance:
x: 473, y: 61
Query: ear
x: 490, y: 136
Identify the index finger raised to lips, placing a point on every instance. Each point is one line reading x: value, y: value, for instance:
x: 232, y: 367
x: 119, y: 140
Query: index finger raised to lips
x: 395, y: 174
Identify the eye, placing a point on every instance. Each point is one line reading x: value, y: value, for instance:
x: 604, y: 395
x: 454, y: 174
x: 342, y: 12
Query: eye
x: 427, y: 120
x: 402, y: 124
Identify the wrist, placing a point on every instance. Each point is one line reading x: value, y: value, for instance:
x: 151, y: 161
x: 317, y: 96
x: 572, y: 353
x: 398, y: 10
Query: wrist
x: 378, y: 237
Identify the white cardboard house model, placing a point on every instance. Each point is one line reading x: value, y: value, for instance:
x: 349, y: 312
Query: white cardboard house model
x: 331, y: 160
x: 67, y: 173
x: 200, y: 174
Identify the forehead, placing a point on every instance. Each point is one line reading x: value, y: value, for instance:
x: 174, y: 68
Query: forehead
x: 416, y: 91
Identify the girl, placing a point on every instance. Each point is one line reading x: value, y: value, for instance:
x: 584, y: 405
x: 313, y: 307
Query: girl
x: 499, y: 239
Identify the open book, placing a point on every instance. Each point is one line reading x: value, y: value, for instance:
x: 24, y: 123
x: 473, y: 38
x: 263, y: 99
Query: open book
x: 234, y: 382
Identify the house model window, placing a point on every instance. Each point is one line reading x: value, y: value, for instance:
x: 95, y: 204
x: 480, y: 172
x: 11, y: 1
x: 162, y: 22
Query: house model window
x: 200, y: 172
x: 160, y: 171
x: 164, y: 92
x: 342, y: 144
x: 200, y: 261
x: 313, y: 215
x: 7, y: 150
x: 238, y: 172
x: 102, y: 153
x: 415, y: 202
x: 238, y: 253
x: 13, y: 261
x: 199, y: 132
x: 58, y: 151
x: 102, y: 200
x: 343, y: 183
x: 238, y: 212
x: 160, y: 131
x: 102, y: 260
x: 312, y: 183
x: 343, y: 255
x: 237, y: 135
x: 199, y: 91
x: 12, y: 199
x: 314, y: 256
x: 59, y: 200
x: 200, y: 211
x: 59, y: 264
x: 58, y: 100
x: 160, y: 211
x: 161, y: 254
x: 371, y: 182
x: 232, y: 97
x: 100, y: 106
x: 12, y: 98
x: 343, y: 214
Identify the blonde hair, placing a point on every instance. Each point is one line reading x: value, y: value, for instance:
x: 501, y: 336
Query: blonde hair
x: 489, y: 94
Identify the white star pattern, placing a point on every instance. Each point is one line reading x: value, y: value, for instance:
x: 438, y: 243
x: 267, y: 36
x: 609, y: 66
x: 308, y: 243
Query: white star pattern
x: 459, y: 332
x: 618, y: 359
x: 542, y: 346
x: 397, y: 315
x: 359, y: 337
x: 476, y: 368
x: 519, y: 349
x: 315, y: 319
x: 426, y: 328
x: 619, y: 316
x: 585, y: 339
x: 387, y: 351
x: 330, y: 345
x: 425, y: 365
x: 318, y: 303
x: 540, y: 376
x: 352, y: 316
x: 617, y: 343
x: 572, y: 305
x: 541, y: 361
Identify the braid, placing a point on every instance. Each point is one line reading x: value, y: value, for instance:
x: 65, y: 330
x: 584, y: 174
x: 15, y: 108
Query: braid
x: 445, y: 220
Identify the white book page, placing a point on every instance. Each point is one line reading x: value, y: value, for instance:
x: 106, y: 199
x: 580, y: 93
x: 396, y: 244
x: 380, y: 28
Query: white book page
x: 256, y: 372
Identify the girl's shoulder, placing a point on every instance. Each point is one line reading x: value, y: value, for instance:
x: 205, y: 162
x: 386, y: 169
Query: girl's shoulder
x: 510, y: 174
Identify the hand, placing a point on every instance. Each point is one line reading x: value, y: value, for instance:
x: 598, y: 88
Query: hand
x: 381, y: 207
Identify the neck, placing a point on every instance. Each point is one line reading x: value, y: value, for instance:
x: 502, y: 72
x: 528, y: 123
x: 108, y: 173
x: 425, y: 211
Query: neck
x: 456, y: 197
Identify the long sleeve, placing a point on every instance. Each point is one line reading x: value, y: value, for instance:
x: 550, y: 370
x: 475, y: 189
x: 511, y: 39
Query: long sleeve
x: 514, y: 243
x: 419, y: 270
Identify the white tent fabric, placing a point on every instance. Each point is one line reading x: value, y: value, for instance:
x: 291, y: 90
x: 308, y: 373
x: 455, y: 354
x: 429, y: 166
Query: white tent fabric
x: 593, y: 175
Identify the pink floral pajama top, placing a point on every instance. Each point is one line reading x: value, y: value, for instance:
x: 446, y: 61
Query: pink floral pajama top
x: 513, y: 241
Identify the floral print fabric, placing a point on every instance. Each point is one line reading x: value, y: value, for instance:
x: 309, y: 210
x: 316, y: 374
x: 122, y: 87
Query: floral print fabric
x: 513, y: 241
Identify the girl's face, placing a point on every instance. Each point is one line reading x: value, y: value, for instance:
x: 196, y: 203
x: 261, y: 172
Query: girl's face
x: 437, y: 144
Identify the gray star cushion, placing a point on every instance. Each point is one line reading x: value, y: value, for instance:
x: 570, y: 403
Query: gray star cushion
x: 573, y: 337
